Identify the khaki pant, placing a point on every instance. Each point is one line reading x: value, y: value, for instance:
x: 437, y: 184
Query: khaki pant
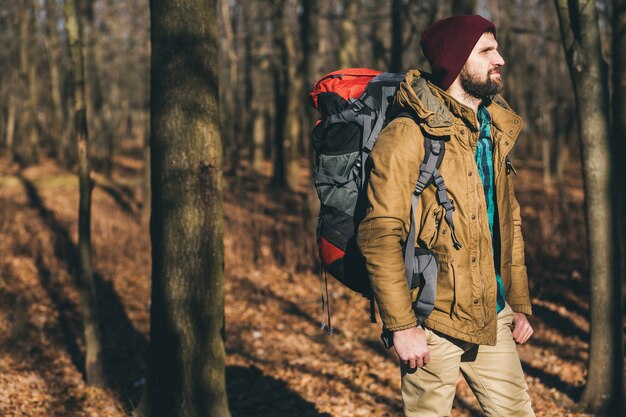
x: 494, y: 374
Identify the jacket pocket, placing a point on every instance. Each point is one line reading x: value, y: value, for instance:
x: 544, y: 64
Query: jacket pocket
x: 429, y: 226
x: 438, y: 218
x: 446, y: 286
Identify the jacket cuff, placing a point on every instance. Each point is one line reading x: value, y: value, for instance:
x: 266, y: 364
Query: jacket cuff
x: 402, y: 326
x: 522, y: 308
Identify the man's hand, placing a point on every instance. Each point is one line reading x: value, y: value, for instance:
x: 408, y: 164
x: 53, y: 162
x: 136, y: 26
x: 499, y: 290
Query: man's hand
x: 411, y: 347
x: 522, y: 330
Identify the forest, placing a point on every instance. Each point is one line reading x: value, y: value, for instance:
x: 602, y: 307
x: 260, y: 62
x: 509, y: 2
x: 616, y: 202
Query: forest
x: 158, y: 215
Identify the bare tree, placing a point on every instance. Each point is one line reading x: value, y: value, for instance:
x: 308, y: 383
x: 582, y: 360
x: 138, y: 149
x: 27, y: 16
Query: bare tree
x: 28, y: 75
x: 58, y: 131
x: 397, y: 35
x: 86, y: 287
x: 619, y: 113
x: 348, y: 45
x: 186, y: 359
x: 463, y: 7
x: 228, y: 91
x: 579, y: 30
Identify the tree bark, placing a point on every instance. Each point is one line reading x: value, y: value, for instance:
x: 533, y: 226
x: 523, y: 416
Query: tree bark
x: 281, y: 83
x: 463, y: 7
x: 309, y: 38
x: 294, y: 97
x: 186, y: 360
x: 619, y: 115
x: 58, y: 132
x: 348, y: 46
x: 28, y: 75
x: 605, y: 381
x: 86, y: 287
x: 93, y: 88
x: 10, y: 132
x: 257, y: 53
x: 397, y: 35
x: 229, y: 88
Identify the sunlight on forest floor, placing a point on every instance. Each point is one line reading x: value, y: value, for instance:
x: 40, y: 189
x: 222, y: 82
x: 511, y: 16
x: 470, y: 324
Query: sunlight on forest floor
x: 279, y: 362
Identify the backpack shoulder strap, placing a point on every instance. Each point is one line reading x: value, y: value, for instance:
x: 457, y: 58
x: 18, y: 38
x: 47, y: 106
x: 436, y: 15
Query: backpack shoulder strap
x: 434, y: 151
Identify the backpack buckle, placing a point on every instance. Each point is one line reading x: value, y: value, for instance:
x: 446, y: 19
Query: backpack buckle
x: 357, y: 105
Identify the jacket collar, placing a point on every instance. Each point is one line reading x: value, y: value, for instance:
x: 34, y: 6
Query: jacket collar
x: 438, y: 109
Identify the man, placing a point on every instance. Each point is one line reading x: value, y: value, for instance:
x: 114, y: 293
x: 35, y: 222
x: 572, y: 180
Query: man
x: 482, y: 291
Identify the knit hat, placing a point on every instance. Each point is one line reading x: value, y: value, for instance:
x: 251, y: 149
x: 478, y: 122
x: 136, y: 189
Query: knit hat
x: 448, y: 43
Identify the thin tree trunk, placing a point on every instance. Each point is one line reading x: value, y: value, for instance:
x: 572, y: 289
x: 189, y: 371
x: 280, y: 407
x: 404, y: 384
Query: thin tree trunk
x: 60, y: 141
x: 281, y: 83
x: 309, y: 35
x: 249, y: 71
x: 86, y: 287
x: 146, y: 171
x: 579, y: 30
x: 619, y: 115
x: 230, y: 87
x: 257, y: 67
x: 186, y: 360
x: 293, y: 122
x: 463, y: 7
x: 562, y: 158
x: 93, y: 90
x: 309, y: 38
x: 30, y: 150
x: 11, y: 129
x: 348, y: 46
x: 33, y: 99
x: 397, y: 35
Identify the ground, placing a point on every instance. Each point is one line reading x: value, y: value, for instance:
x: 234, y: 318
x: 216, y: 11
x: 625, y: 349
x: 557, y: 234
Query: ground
x: 279, y: 361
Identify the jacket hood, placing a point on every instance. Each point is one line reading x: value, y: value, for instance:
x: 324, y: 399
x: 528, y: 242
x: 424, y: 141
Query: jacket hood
x: 423, y: 99
x: 420, y: 97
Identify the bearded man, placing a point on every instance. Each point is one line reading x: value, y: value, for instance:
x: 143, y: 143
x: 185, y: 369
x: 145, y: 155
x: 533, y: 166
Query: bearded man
x: 482, y: 298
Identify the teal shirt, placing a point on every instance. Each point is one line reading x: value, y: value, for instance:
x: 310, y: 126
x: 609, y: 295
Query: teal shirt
x: 484, y: 163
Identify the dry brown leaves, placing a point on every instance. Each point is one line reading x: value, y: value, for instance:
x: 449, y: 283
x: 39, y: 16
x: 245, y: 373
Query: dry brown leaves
x: 279, y: 362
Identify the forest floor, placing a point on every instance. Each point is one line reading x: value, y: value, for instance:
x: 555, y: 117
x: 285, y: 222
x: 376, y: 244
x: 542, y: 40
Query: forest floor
x: 279, y: 362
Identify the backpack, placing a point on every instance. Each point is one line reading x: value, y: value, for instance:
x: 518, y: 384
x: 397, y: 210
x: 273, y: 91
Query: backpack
x: 355, y: 105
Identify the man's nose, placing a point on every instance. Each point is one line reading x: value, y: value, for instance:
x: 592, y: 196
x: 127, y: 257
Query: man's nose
x: 499, y: 60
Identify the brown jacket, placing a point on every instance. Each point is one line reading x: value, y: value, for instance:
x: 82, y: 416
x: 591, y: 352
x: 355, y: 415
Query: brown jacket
x: 465, y: 306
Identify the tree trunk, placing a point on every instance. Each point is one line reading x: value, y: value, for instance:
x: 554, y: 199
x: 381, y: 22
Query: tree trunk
x: 281, y: 80
x: 86, y: 286
x: 146, y: 171
x: 348, y: 46
x: 229, y: 88
x: 93, y: 88
x: 11, y: 129
x: 463, y: 7
x: 579, y: 31
x: 28, y: 74
x: 52, y: 31
x: 186, y: 360
x: 397, y: 35
x: 309, y: 38
x: 294, y: 97
x: 258, y: 92
x: 309, y: 35
x: 619, y: 115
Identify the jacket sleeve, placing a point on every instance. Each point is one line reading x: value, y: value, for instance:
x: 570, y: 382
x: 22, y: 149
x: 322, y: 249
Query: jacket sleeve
x: 518, y: 298
x: 395, y: 167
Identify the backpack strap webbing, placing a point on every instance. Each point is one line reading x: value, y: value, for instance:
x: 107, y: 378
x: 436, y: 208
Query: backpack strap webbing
x: 429, y: 172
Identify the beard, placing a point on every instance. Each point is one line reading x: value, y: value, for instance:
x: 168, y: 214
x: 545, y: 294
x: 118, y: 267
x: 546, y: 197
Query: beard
x: 481, y: 89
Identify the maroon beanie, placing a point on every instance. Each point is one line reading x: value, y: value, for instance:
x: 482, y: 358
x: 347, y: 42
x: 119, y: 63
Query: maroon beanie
x: 448, y: 43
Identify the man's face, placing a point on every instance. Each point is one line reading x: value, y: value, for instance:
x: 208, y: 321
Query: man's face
x: 480, y: 76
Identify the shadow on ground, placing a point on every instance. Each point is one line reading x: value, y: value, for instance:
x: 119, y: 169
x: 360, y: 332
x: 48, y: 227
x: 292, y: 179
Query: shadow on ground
x: 124, y: 348
x: 251, y: 393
